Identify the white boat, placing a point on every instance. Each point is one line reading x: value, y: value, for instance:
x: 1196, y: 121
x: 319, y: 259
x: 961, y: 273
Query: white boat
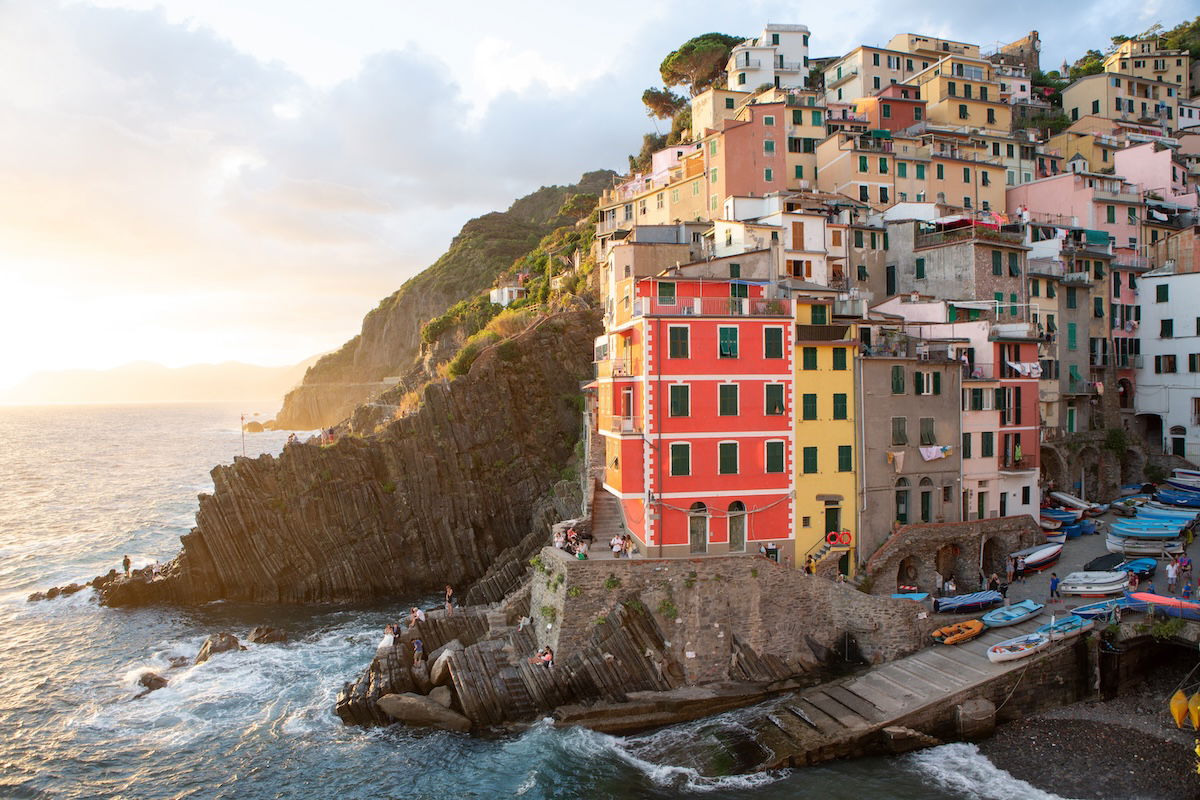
x: 1056, y: 537
x: 1159, y: 548
x: 1073, y: 501
x: 1050, y: 524
x: 1020, y: 647
x: 1039, y: 556
x: 1094, y: 584
x: 1067, y: 627
x: 1180, y: 472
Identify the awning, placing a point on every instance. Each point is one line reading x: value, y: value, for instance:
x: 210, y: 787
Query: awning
x: 1096, y: 237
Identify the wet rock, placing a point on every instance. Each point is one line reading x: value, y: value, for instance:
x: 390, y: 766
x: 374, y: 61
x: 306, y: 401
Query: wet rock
x: 152, y: 681
x: 71, y: 588
x: 53, y: 593
x: 265, y: 634
x: 179, y: 661
x: 35, y: 597
x: 422, y: 712
x: 439, y: 670
x: 253, y: 426
x: 217, y: 643
x: 442, y: 696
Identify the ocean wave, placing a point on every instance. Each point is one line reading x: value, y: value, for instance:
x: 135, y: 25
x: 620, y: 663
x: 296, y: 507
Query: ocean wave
x: 962, y: 769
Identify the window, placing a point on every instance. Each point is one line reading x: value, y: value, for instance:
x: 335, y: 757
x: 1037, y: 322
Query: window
x: 997, y: 261
x: 886, y: 109
x: 941, y: 172
x: 727, y: 458
x: 1014, y: 265
x: 741, y: 79
x: 1161, y: 293
x: 927, y: 436
x: 774, y: 399
x: 809, y: 407
x: 735, y: 270
x: 1098, y: 307
x: 1098, y: 269
x: 820, y: 315
x: 1193, y: 362
x: 680, y: 400
x: 899, y: 430
x: 839, y: 406
x: 1072, y: 297
x: 768, y: 175
x: 1035, y: 288
x: 799, y: 171
x: 987, y: 444
x: 816, y: 117
x: 1164, y: 364
x: 883, y: 166
x: 775, y: 459
x: 952, y: 88
x: 864, y: 193
x: 862, y: 164
x: 875, y: 59
x: 1071, y: 338
x: 901, y: 169
x: 677, y: 337
x: 897, y: 379
x: 845, y: 458
x: 883, y: 196
x: 1110, y: 214
x: 769, y: 147
x: 809, y: 357
x: 839, y: 353
x: 773, y: 343
x: 681, y: 458
x: 666, y: 294
x: 966, y: 445
x: 769, y: 120
x: 797, y: 117
x: 917, y: 113
x: 810, y: 460
x: 727, y: 399
x: 1166, y: 328
x: 729, y: 102
x: 1051, y: 289
x: 727, y: 342
x: 963, y: 113
x: 966, y: 174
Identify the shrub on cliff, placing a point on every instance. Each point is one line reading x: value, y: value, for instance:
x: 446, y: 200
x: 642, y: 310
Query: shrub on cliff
x: 461, y: 363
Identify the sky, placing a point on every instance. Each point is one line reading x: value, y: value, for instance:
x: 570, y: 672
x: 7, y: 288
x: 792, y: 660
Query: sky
x: 195, y: 181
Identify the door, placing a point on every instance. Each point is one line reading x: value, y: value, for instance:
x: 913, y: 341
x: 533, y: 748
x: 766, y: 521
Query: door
x: 1004, y: 504
x: 966, y: 505
x: 926, y: 506
x: 737, y: 527
x: 981, y: 505
x: 902, y: 506
x: 891, y: 280
x: 1177, y: 447
x: 698, y: 532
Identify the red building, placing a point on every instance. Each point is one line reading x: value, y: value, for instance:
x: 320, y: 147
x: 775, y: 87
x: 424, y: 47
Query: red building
x: 894, y: 108
x: 1019, y: 434
x: 694, y: 383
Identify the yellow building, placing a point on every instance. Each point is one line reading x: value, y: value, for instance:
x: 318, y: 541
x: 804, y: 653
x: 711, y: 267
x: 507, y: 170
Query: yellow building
x: 961, y: 92
x: 1150, y: 60
x: 931, y: 47
x: 825, y: 448
x: 1093, y: 143
x: 713, y: 105
x: 1120, y: 96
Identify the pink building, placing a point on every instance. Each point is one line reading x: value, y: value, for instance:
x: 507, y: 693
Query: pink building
x: 1156, y: 169
x: 1086, y: 200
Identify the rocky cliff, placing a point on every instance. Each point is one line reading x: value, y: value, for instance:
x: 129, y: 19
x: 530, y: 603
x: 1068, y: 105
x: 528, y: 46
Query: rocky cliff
x: 431, y: 499
x: 391, y: 333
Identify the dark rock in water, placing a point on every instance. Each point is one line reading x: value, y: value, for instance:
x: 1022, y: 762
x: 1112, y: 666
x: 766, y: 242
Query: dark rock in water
x: 53, y: 593
x: 71, y: 588
x: 217, y: 643
x: 35, y: 597
x: 152, y: 681
x: 264, y: 634
x: 179, y: 661
x: 422, y: 712
x: 431, y: 499
x: 253, y: 426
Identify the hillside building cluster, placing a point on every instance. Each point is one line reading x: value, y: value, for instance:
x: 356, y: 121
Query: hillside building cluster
x: 877, y: 296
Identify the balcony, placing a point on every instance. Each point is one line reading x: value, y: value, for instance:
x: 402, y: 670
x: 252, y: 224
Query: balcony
x: 1010, y: 464
x: 747, y: 63
x: 625, y: 425
x: 788, y: 66
x: 966, y: 234
x: 712, y: 307
x: 1080, y: 387
x: 1127, y: 360
x: 845, y: 76
x: 1116, y: 197
x: 1077, y: 278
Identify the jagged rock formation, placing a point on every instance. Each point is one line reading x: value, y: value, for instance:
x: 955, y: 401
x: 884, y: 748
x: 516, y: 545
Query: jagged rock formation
x: 391, y: 333
x: 432, y: 499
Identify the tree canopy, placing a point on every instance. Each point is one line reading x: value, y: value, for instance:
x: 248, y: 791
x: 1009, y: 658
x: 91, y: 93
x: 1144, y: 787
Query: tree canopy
x: 663, y: 103
x: 698, y: 62
x: 1185, y: 36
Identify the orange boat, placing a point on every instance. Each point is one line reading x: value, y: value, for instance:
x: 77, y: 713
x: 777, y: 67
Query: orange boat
x: 959, y: 632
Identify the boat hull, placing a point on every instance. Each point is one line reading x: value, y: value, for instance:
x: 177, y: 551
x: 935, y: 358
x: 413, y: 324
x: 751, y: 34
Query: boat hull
x: 1012, y: 615
x: 1066, y: 628
x: 1158, y: 548
x: 1019, y: 647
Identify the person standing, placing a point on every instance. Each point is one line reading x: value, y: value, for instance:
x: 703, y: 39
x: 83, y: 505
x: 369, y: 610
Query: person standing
x: 126, y: 563
x: 1021, y: 568
x: 1010, y: 568
x: 1172, y: 575
x: 449, y: 600
x: 418, y: 651
x: 1055, y: 597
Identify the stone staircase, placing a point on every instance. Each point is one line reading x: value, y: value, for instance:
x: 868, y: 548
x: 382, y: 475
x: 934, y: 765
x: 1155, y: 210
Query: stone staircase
x: 607, y: 518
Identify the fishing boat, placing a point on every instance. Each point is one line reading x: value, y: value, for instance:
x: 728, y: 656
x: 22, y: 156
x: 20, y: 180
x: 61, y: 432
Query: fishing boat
x: 1039, y: 556
x: 1020, y: 647
x: 1105, y: 608
x: 1094, y: 584
x: 1160, y: 506
x: 1145, y: 533
x: 1144, y: 567
x: 1065, y: 628
x: 920, y: 597
x: 1062, y: 514
x: 1166, y: 605
x: 1132, y: 546
x: 1180, y: 499
x: 1152, y: 512
x: 1179, y: 707
x: 1012, y: 614
x: 1184, y: 484
x: 1050, y: 523
x: 1180, y: 472
x: 959, y: 632
x: 1056, y: 537
x: 967, y: 602
x: 1071, y: 501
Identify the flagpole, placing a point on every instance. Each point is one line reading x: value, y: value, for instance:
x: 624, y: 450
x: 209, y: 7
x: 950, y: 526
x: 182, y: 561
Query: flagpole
x: 243, y: 435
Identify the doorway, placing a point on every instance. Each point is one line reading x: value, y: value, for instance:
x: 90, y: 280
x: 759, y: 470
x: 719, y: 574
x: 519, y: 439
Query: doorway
x: 737, y: 527
x: 698, y: 528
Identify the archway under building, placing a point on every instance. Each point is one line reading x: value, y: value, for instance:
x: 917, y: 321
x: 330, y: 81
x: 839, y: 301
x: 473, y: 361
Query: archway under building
x: 1087, y: 471
x: 1150, y: 428
x: 907, y: 573
x: 737, y: 527
x: 992, y: 558
x: 1053, y: 468
x: 946, y: 560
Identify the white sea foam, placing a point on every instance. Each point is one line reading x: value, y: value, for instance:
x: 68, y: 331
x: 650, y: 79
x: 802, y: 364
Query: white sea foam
x: 962, y: 769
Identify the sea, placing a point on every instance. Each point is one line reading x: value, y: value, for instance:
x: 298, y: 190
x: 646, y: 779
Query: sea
x: 82, y: 486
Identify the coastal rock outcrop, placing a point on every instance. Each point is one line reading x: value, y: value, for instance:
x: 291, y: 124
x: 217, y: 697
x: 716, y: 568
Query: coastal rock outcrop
x: 432, y: 499
x: 217, y: 643
x: 265, y: 634
x: 151, y: 681
x: 423, y: 712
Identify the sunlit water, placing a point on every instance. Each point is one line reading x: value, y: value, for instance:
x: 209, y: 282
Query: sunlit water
x: 82, y: 486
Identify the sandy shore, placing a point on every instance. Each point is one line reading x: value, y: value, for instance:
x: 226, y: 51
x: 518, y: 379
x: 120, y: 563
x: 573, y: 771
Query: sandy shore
x: 1122, y: 749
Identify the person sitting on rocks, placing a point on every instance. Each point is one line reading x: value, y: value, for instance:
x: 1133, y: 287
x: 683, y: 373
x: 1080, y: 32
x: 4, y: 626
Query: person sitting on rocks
x: 560, y: 541
x: 547, y: 656
x: 417, y: 615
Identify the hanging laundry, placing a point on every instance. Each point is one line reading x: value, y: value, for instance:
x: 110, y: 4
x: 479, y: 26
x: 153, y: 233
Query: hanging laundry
x: 933, y: 452
x: 896, y: 459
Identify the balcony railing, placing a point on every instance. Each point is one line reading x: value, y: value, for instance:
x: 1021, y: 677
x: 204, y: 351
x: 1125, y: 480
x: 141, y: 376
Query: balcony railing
x: 712, y: 307
x: 1080, y: 387
x: 1077, y: 277
x: 1117, y: 197
x: 625, y: 425
x: 747, y: 63
x: 845, y: 76
x: 1015, y: 464
x: 789, y: 66
x: 966, y: 234
x: 1128, y: 360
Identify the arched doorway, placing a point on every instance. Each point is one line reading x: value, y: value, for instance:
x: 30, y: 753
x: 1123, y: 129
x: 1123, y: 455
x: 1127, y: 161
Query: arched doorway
x: 926, y: 500
x: 1054, y: 469
x: 1125, y: 393
x: 946, y: 560
x: 902, y: 501
x: 698, y: 528
x: 991, y: 558
x: 737, y: 527
x: 1133, y: 467
x: 1150, y: 427
x: 1178, y: 441
x: 907, y: 573
x: 1089, y: 463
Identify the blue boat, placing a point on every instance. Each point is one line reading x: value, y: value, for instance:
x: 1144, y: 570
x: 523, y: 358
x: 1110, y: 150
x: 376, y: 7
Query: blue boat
x: 1065, y: 628
x: 1183, y: 485
x: 1012, y: 614
x: 918, y: 596
x: 1181, y: 499
x: 1150, y: 512
x: 1105, y: 608
x: 967, y: 602
x: 1060, y: 514
x: 1160, y: 535
x: 1072, y: 531
x: 1087, y: 526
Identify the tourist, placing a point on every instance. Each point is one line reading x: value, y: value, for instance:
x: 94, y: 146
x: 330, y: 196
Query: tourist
x: 1187, y: 590
x: 1172, y: 575
x: 547, y: 657
x: 291, y: 439
x: 415, y: 616
x: 951, y: 588
x: 1133, y: 581
x: 617, y: 545
x: 126, y: 564
x: 1185, y: 567
x: 938, y: 585
x: 993, y: 583
x: 560, y: 540
x: 1021, y: 568
x: 449, y: 601
x: 1055, y: 597
x: 418, y: 651
x: 1010, y: 568
x: 810, y: 565
x: 628, y: 545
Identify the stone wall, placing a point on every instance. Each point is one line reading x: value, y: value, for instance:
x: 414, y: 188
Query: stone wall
x: 963, y: 547
x: 710, y: 608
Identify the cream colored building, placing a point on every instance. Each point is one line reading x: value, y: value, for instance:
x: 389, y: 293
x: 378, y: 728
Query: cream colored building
x: 1122, y: 96
x: 865, y: 70
x: 1149, y: 60
x: 931, y: 47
